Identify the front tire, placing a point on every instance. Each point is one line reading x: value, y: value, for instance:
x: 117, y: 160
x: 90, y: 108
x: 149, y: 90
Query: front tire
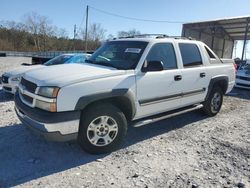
x: 102, y: 129
x: 214, y: 102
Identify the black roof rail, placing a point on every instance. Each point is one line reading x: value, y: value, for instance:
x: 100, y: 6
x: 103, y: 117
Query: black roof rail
x: 145, y: 35
x: 157, y: 36
x: 181, y: 37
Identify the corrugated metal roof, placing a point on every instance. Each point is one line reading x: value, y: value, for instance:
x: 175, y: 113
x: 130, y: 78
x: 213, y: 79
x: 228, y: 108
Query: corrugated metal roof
x: 234, y: 27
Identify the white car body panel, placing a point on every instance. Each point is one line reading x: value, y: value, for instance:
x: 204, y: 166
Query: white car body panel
x: 66, y: 74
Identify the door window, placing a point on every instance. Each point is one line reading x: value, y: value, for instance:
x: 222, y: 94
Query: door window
x: 165, y: 53
x: 190, y: 55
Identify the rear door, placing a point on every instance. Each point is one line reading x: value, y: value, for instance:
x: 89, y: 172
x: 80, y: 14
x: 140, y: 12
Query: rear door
x: 194, y: 73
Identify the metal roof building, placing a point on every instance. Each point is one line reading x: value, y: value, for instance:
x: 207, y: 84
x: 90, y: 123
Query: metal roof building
x: 220, y: 34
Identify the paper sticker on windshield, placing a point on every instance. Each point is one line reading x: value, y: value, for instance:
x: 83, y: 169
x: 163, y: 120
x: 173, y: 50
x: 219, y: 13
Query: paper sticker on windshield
x: 133, y: 50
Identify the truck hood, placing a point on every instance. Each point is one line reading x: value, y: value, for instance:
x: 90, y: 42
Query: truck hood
x: 65, y: 74
x: 20, y: 70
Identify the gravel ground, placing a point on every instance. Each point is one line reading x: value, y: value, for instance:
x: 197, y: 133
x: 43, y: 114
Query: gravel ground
x: 191, y: 150
x: 8, y: 63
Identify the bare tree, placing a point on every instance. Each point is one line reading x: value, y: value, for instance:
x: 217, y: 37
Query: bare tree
x: 16, y: 33
x: 40, y: 27
x: 95, y: 35
x: 62, y: 33
x: 96, y: 32
x: 110, y: 37
x: 128, y: 33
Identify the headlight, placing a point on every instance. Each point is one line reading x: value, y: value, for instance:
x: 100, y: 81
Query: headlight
x: 46, y: 105
x: 50, y: 92
x: 16, y: 79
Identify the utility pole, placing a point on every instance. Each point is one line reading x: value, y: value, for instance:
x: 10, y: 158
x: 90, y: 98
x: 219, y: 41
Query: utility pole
x: 86, y: 29
x: 74, y: 37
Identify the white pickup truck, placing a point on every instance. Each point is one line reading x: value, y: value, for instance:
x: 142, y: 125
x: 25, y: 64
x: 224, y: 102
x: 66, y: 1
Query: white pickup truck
x: 132, y: 81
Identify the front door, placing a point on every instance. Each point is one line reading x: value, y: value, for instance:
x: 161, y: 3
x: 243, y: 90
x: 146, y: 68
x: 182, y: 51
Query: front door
x: 159, y: 91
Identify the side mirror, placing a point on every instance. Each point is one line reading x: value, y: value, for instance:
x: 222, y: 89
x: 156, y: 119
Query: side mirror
x: 152, y: 66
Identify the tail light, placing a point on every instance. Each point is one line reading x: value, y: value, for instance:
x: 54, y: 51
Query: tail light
x: 235, y: 67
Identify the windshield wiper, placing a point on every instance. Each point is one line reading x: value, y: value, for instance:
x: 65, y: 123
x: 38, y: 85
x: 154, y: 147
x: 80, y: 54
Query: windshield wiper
x: 105, y: 64
x: 102, y: 63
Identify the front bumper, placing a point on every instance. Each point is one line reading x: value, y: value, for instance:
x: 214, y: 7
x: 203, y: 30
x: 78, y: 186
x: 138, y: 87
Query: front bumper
x: 55, y: 126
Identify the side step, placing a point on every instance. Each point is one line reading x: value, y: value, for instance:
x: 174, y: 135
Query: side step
x: 170, y: 114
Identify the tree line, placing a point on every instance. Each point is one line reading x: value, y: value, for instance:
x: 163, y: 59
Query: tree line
x: 37, y: 33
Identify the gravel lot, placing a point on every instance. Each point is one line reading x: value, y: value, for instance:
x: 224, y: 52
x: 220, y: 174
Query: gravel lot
x: 190, y: 150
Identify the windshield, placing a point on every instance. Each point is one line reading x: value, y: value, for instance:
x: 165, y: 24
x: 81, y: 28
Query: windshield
x: 77, y: 59
x: 119, y: 54
x: 61, y: 59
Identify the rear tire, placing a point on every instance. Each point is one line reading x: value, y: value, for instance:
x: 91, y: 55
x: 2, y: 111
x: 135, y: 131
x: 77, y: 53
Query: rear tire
x: 214, y: 102
x: 102, y: 129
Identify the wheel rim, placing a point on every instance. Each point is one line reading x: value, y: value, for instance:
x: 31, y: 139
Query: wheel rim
x: 216, y: 102
x: 102, y: 131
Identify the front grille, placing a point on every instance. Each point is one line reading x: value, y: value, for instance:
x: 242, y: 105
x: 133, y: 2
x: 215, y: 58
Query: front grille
x: 5, y: 79
x: 245, y: 85
x: 27, y: 98
x: 243, y: 78
x: 29, y: 86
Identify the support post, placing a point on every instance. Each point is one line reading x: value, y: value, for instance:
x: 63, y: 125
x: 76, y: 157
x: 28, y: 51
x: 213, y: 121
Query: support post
x: 234, y: 48
x: 223, y: 48
x: 245, y: 40
x: 213, y: 33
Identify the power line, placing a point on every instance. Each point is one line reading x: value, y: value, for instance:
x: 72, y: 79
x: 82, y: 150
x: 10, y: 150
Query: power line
x: 83, y: 19
x: 136, y: 19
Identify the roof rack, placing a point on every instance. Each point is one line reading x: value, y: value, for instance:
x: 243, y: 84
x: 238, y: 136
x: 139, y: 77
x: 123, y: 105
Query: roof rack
x: 145, y: 35
x: 180, y: 37
x: 157, y: 36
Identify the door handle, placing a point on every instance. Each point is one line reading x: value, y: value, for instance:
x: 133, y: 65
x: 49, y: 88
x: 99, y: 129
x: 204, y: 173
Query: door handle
x: 177, y: 77
x: 203, y: 74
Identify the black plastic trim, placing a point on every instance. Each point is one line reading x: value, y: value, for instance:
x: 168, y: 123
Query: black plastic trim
x: 244, y: 85
x: 214, y: 81
x: 45, y: 116
x: 7, y: 88
x: 86, y: 100
x: 159, y: 99
x: 52, y: 136
x: 243, y: 78
x: 171, y: 97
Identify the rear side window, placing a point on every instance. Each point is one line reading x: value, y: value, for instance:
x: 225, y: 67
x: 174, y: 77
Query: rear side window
x: 165, y: 53
x: 190, y: 55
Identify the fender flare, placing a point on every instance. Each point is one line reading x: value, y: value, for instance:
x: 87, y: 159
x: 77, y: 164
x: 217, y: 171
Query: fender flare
x: 84, y: 101
x: 217, y: 80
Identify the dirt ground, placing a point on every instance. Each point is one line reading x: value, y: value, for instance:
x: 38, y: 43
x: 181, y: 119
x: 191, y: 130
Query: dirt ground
x: 190, y: 150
